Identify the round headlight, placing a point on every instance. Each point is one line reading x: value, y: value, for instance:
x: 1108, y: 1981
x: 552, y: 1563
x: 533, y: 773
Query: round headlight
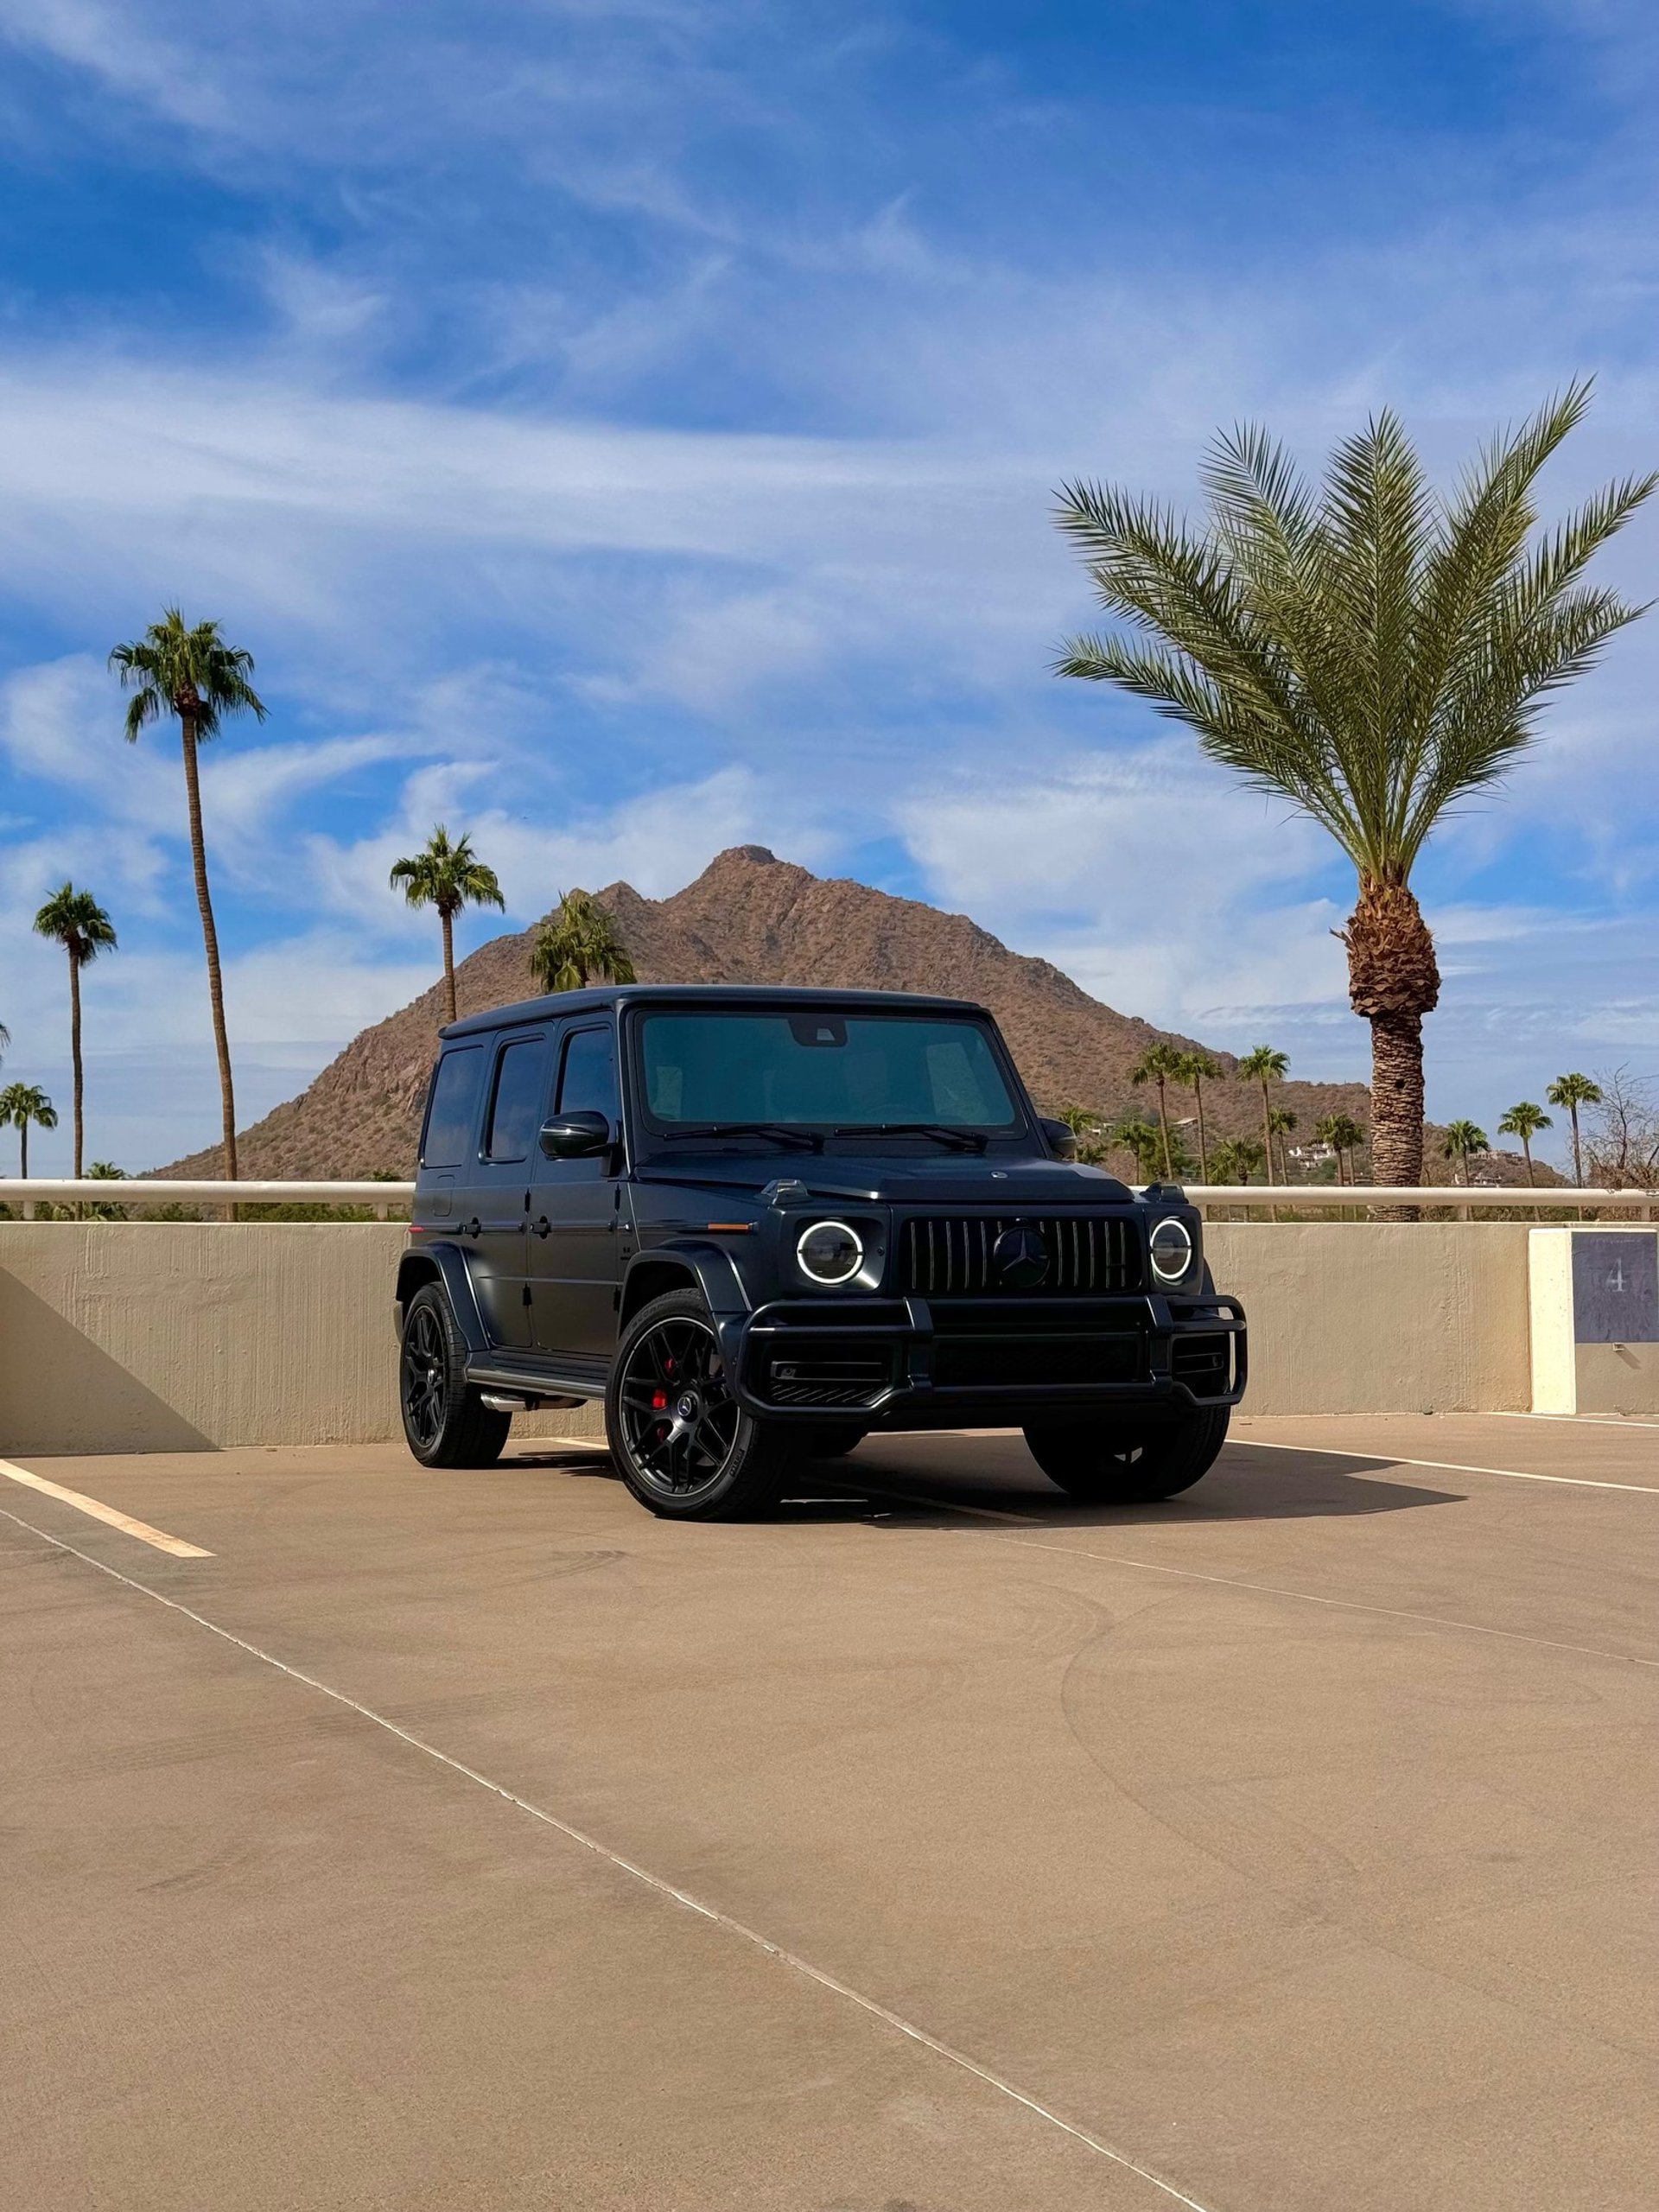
x: 1171, y: 1249
x: 830, y: 1252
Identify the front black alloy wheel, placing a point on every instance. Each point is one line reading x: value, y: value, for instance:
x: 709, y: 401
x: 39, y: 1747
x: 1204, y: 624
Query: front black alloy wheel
x: 445, y: 1421
x: 683, y: 1445
x: 1129, y: 1459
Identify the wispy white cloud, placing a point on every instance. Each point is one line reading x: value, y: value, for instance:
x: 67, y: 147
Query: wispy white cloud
x: 619, y: 435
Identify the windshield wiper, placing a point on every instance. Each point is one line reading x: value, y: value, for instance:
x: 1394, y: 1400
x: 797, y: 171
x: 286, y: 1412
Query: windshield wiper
x: 958, y: 1140
x: 783, y: 1132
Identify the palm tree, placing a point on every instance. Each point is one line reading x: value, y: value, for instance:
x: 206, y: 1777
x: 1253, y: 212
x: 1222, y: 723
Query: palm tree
x: 1524, y: 1122
x: 80, y: 925
x: 1281, y: 1123
x: 1197, y: 1069
x: 1236, y: 1158
x: 105, y: 1171
x: 1573, y: 1091
x: 1342, y: 1133
x: 22, y: 1103
x: 1142, y: 1140
x: 1463, y: 1139
x: 579, y: 944
x: 1163, y: 1064
x: 194, y: 675
x: 1264, y: 1065
x: 448, y: 877
x: 1086, y: 1128
x: 1370, y: 651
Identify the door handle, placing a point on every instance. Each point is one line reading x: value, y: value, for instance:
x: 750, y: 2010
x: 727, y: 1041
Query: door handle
x: 544, y: 1227
x: 472, y: 1228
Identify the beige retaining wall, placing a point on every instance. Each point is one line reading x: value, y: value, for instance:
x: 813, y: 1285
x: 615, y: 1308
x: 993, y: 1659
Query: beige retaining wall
x: 1380, y: 1317
x: 179, y: 1336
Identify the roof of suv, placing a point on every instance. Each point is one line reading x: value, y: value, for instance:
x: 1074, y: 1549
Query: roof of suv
x: 607, y: 996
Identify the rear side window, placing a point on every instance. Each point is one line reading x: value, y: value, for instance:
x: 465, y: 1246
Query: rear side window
x: 518, y: 1107
x: 453, y: 1114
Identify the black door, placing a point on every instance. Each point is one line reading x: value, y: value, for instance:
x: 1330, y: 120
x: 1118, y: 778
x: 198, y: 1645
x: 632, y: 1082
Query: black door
x: 498, y: 1197
x: 574, y: 1209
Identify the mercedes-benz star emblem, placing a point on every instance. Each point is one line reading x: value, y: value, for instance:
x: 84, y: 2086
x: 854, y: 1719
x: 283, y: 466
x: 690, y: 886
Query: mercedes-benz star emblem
x: 1020, y: 1257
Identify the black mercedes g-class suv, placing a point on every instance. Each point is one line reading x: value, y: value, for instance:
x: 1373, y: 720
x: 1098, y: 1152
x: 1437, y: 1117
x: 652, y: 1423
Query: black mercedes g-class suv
x: 762, y: 1224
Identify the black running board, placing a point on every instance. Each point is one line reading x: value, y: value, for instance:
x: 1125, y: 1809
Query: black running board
x: 545, y: 1387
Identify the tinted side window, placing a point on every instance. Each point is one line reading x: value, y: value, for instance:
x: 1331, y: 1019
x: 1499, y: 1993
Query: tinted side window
x: 517, y: 1107
x: 587, y: 1080
x: 453, y: 1114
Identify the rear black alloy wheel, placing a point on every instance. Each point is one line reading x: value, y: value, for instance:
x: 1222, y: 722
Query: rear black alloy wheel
x: 684, y: 1446
x: 1129, y: 1459
x: 445, y: 1421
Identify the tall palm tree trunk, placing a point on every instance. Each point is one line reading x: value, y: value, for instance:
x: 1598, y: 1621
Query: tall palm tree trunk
x: 1526, y: 1147
x: 210, y: 944
x: 448, y: 921
x: 1163, y: 1125
x: 1396, y: 1098
x: 74, y: 1057
x: 1394, y: 980
x: 1267, y: 1131
x: 1203, y: 1148
x: 1578, y: 1155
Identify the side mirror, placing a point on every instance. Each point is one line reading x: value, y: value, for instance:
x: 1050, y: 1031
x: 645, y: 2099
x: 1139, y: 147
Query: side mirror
x: 1061, y: 1141
x: 576, y: 1136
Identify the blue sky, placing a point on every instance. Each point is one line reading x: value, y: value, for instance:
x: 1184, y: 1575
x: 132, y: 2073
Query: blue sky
x: 626, y: 430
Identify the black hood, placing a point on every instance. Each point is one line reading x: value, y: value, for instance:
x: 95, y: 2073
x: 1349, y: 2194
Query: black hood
x: 950, y: 1178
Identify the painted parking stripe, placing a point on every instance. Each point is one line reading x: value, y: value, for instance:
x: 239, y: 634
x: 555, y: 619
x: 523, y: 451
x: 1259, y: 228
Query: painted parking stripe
x: 1573, y: 1421
x: 96, y: 1507
x: 1336, y: 1605
x: 669, y: 1891
x: 1438, y: 1467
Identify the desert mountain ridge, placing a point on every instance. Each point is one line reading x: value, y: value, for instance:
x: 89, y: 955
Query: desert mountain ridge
x: 750, y: 918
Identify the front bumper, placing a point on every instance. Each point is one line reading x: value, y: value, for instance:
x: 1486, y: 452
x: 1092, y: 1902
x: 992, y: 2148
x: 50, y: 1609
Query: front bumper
x: 983, y: 1362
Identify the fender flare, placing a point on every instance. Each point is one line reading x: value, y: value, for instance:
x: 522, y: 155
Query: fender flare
x: 710, y: 1266
x: 449, y: 1262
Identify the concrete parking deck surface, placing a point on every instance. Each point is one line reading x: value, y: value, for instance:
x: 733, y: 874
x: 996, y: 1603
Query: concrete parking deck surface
x: 445, y: 1842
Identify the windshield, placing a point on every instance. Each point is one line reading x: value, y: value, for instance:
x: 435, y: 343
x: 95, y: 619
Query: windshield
x: 847, y: 1074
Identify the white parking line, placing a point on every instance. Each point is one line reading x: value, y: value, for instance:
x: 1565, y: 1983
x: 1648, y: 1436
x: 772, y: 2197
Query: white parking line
x: 1573, y: 1421
x: 1339, y: 1605
x: 1439, y: 1466
x: 100, y: 1511
x: 663, y: 1887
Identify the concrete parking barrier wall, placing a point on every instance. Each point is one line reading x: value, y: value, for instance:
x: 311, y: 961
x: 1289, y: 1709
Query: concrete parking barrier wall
x: 181, y: 1335
x: 1380, y: 1317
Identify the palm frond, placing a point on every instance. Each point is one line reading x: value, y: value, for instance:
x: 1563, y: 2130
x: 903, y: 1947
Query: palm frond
x: 1371, y: 653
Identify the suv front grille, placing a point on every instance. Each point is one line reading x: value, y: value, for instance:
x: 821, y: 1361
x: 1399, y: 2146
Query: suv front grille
x: 953, y: 1256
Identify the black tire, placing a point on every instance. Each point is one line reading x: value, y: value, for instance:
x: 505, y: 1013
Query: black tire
x: 681, y: 1441
x: 829, y: 1443
x: 446, y: 1423
x: 1128, y: 1459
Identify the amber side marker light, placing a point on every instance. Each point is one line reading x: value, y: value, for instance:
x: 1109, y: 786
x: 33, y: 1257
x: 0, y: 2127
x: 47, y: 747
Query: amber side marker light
x: 733, y: 1228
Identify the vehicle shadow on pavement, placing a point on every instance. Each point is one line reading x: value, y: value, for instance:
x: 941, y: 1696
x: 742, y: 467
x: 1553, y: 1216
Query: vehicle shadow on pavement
x: 1313, y: 1485
x: 804, y: 1499
x: 1238, y: 1487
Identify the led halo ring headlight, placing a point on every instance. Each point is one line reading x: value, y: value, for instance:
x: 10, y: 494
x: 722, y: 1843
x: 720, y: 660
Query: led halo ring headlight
x: 1171, y: 1248
x: 830, y: 1252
